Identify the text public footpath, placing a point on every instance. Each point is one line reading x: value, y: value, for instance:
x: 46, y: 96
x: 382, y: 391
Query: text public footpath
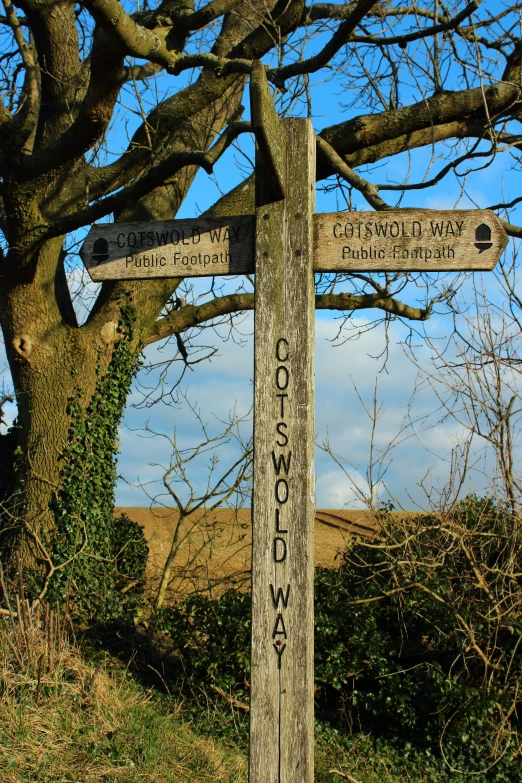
x: 372, y: 233
x: 140, y: 241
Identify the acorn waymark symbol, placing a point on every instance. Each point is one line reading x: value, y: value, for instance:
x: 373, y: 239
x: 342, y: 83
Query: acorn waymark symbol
x: 100, y: 250
x: 483, y: 238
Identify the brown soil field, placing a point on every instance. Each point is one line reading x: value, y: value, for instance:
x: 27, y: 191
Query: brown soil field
x: 213, y: 548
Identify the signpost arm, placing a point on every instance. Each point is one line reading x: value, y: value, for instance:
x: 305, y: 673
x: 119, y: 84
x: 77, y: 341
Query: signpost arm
x: 282, y: 704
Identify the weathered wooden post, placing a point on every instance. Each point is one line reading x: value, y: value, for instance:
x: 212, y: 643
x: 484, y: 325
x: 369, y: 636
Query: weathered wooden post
x: 282, y: 678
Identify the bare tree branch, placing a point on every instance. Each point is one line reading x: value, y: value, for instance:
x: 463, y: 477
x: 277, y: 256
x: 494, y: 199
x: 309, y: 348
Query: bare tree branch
x: 369, y: 191
x: 338, y: 39
x: 207, y: 14
x: 511, y: 230
x: 154, y: 178
x: 442, y: 27
x: 193, y: 315
x: 136, y: 39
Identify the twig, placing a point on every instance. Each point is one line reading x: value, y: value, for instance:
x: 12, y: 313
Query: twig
x: 367, y: 189
x: 41, y: 665
x: 58, y: 633
x: 161, y: 678
x: 235, y: 703
x: 129, y: 586
x: 50, y: 639
x: 343, y: 775
x: 92, y: 679
x: 15, y: 653
x: 9, y: 611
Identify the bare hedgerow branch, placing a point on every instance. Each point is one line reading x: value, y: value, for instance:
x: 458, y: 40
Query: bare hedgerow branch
x: 52, y: 569
x: 338, y: 165
x: 476, y: 540
x: 197, y: 492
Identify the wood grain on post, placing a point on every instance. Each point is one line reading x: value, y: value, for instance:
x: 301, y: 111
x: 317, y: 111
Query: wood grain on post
x: 414, y: 240
x: 282, y: 695
x: 266, y: 125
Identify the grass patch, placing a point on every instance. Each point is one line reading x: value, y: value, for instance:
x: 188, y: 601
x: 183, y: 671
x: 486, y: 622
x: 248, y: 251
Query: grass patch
x: 65, y: 720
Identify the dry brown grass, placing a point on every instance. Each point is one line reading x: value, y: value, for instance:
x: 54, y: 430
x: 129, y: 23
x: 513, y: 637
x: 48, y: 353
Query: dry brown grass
x: 65, y: 720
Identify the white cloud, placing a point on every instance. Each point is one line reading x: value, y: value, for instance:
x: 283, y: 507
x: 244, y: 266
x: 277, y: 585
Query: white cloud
x: 338, y: 412
x: 216, y: 386
x: 337, y: 489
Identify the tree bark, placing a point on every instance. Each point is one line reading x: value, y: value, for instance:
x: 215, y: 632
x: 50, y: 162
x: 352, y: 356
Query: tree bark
x: 51, y: 359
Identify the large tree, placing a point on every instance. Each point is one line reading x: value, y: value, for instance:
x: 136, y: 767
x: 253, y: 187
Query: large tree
x: 412, y: 76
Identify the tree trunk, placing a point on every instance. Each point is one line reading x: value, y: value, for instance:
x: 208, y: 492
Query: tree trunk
x: 52, y: 361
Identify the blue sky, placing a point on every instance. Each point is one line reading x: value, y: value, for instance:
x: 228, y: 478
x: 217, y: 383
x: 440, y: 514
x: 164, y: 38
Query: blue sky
x: 346, y: 371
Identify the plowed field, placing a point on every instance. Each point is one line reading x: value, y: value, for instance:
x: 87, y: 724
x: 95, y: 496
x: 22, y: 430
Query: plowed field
x: 213, y: 549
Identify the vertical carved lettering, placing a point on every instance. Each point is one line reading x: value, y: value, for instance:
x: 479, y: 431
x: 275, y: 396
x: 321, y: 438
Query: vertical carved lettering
x: 282, y: 377
x: 279, y: 627
x: 282, y: 347
x: 281, y: 461
x: 282, y: 397
x: 279, y: 630
x: 279, y: 647
x: 280, y: 596
x: 279, y: 426
x: 281, y: 491
x: 279, y: 551
x: 282, y: 465
x: 279, y: 529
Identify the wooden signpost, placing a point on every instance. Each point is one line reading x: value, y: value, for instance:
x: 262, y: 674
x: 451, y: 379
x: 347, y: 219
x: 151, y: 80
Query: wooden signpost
x: 282, y: 655
x: 284, y: 244
x: 172, y: 248
x: 414, y: 240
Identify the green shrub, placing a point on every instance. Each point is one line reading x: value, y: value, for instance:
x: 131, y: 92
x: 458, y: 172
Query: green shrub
x: 213, y: 638
x: 417, y: 637
x: 105, y: 589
